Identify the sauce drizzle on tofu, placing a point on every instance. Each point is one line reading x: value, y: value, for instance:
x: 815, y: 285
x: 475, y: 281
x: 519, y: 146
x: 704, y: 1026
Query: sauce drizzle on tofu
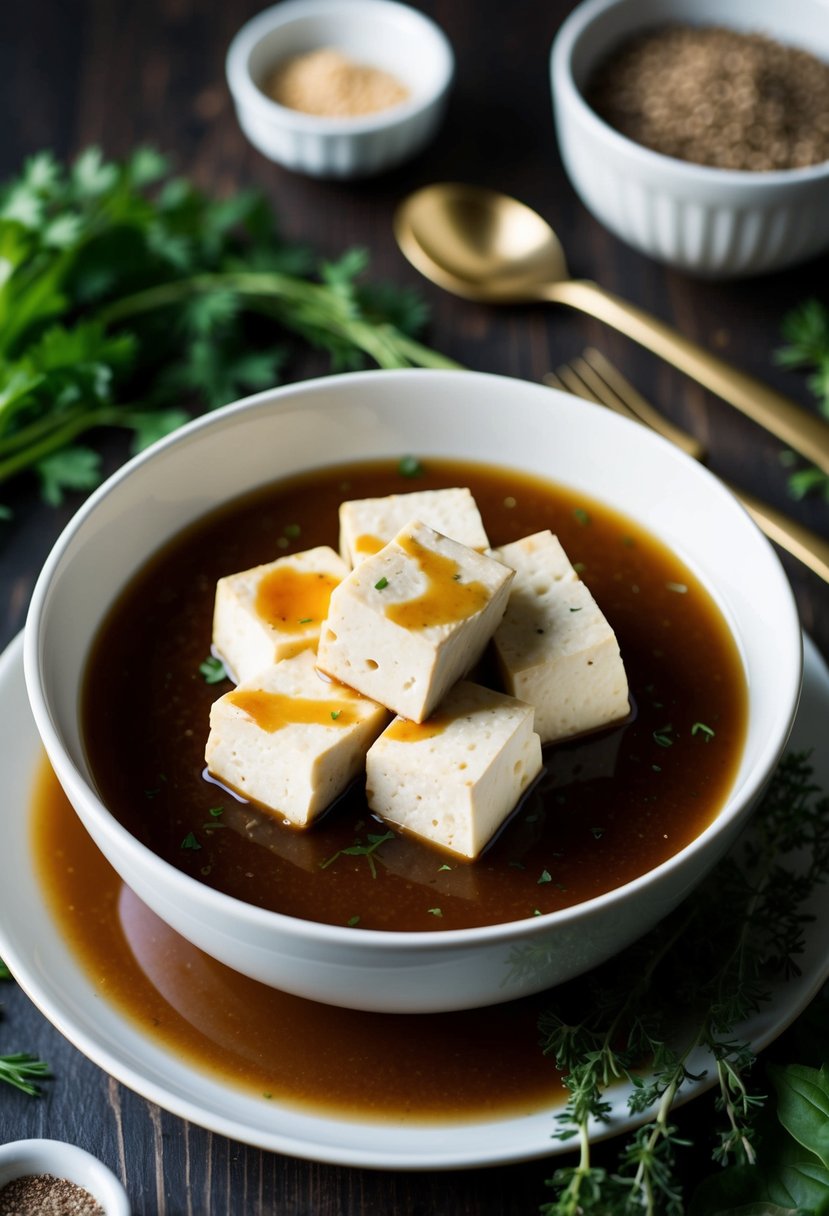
x: 287, y: 597
x: 445, y: 599
x: 272, y: 710
x: 607, y: 808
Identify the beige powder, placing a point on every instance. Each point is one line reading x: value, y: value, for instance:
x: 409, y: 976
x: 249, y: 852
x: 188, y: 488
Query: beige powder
x: 327, y: 83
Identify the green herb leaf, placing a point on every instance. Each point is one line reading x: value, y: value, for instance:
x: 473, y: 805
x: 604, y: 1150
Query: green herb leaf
x: 191, y: 841
x: 23, y: 1071
x: 213, y: 670
x: 803, y: 1106
x: 410, y: 466
x: 699, y: 728
x: 381, y: 584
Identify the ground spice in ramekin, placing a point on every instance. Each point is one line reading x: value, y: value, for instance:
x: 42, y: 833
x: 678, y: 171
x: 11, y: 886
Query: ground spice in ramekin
x: 325, y: 82
x: 46, y: 1195
x: 717, y: 97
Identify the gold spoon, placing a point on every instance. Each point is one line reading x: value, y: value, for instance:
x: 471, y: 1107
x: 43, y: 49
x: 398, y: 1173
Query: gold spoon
x: 489, y: 247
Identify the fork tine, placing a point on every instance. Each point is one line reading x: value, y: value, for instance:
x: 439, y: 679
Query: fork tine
x: 601, y: 375
x: 595, y: 379
x: 566, y: 377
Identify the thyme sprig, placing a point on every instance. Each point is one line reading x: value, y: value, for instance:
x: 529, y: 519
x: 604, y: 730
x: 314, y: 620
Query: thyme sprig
x: 717, y: 956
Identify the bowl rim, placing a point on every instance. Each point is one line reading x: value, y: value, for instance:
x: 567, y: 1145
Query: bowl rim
x: 248, y: 94
x: 417, y: 941
x: 576, y: 27
x: 62, y: 1159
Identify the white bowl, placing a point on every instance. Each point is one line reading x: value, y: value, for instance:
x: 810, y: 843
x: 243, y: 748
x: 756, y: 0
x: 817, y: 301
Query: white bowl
x: 376, y: 414
x: 376, y: 33
x: 24, y: 1157
x: 712, y: 222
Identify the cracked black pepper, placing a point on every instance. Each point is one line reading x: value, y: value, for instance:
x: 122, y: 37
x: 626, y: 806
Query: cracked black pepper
x: 717, y: 97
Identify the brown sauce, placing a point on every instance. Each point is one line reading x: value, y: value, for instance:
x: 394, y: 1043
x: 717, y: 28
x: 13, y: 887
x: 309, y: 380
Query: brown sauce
x: 608, y: 807
x: 478, y: 1064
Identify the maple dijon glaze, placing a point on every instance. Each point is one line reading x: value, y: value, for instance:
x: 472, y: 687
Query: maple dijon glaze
x: 272, y: 711
x: 607, y: 808
x: 287, y: 597
x: 445, y: 599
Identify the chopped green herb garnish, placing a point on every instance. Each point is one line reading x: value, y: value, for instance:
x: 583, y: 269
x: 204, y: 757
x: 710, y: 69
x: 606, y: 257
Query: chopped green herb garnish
x: 435, y: 911
x: 679, y: 588
x: 579, y: 567
x: 216, y: 811
x: 292, y: 531
x: 575, y: 609
x: 699, y: 728
x: 581, y: 516
x: 213, y: 670
x: 381, y: 584
x: 358, y: 849
x: 190, y: 841
x: 353, y: 921
x: 5, y: 974
x: 663, y: 736
x: 546, y: 876
x: 597, y: 833
x: 410, y: 466
x: 335, y: 713
x: 444, y: 867
x: 305, y: 620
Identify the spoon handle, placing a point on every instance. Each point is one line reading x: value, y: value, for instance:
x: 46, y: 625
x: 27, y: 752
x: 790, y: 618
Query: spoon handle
x: 797, y: 428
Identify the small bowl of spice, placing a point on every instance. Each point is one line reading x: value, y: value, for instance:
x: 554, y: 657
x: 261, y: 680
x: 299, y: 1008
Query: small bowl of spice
x: 698, y: 132
x: 340, y: 88
x: 52, y: 1178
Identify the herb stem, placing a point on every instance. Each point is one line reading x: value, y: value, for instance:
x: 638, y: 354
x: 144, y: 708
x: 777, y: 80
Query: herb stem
x: 297, y: 303
x: 54, y: 438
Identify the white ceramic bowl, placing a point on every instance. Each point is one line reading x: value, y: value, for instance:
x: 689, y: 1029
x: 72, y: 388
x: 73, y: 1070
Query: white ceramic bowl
x: 377, y: 33
x: 711, y: 222
x: 24, y: 1157
x: 385, y: 414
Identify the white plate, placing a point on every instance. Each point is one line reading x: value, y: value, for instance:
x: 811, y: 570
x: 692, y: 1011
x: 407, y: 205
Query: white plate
x: 32, y: 944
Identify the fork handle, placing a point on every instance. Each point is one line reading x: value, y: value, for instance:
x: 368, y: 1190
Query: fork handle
x: 807, y: 433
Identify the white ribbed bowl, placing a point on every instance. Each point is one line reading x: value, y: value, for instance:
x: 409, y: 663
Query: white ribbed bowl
x: 380, y: 33
x: 716, y: 223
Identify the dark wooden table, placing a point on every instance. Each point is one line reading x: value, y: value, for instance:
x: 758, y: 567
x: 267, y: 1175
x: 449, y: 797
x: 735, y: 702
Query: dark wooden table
x: 113, y: 73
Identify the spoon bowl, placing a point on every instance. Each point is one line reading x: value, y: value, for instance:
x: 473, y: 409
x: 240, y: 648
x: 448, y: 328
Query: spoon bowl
x: 479, y: 244
x: 485, y: 246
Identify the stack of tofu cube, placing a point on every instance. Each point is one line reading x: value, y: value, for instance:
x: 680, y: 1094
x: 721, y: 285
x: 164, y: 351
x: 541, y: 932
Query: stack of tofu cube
x: 356, y: 663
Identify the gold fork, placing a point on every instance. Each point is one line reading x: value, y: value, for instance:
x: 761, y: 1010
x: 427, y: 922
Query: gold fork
x: 594, y: 378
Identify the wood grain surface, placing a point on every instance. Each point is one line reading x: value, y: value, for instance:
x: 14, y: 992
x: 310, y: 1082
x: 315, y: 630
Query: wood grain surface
x: 122, y: 72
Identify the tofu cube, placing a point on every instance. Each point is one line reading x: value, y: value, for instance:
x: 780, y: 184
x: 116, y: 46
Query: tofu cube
x: 274, y: 611
x: 554, y: 647
x: 409, y: 621
x: 291, y: 741
x: 367, y: 524
x: 454, y: 779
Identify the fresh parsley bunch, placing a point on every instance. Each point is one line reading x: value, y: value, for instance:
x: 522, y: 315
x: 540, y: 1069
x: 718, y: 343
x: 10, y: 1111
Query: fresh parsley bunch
x: 126, y: 293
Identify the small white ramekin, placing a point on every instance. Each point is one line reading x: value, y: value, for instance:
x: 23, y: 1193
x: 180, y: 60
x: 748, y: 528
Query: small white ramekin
x: 22, y: 1158
x: 379, y: 33
x: 712, y: 222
